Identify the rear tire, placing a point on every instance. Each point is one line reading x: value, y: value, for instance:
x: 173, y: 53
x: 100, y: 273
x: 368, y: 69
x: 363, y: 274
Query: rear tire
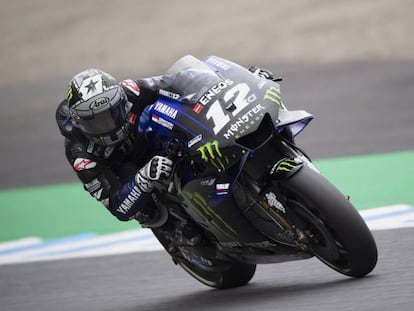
x: 344, y: 241
x: 238, y: 275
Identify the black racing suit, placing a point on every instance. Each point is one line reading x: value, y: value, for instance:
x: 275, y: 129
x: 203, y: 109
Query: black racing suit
x: 108, y: 173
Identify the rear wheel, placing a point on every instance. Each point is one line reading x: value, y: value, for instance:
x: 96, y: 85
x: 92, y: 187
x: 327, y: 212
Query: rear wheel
x: 232, y: 274
x: 238, y: 274
x: 336, y: 232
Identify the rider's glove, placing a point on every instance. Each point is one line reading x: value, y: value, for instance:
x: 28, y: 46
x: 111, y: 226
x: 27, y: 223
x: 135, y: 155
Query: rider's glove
x: 157, y: 168
x: 262, y: 73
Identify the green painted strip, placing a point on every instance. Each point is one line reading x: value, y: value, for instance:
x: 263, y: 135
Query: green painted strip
x: 54, y: 211
x: 373, y: 180
x: 62, y: 210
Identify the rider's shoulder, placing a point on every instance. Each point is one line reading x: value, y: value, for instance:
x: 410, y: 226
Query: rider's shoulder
x: 130, y: 87
x: 77, y: 143
x: 63, y: 119
x: 135, y: 86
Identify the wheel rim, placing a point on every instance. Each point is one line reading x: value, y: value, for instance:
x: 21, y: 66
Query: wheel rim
x: 321, y: 240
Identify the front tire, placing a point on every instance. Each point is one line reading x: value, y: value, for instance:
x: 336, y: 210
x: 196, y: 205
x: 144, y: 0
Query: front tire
x: 341, y: 238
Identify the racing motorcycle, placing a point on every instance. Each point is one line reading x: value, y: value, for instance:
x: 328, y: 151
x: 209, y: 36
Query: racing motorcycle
x: 242, y: 192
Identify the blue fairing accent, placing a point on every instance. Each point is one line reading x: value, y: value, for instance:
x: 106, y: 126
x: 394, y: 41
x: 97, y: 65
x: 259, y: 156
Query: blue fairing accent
x: 144, y: 121
x: 197, y: 122
x: 148, y: 125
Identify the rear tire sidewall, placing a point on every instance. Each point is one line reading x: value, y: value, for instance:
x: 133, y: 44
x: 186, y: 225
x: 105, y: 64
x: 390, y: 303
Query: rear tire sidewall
x: 238, y: 275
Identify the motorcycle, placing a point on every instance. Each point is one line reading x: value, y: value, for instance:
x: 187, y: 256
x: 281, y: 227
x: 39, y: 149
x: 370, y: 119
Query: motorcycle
x: 242, y: 192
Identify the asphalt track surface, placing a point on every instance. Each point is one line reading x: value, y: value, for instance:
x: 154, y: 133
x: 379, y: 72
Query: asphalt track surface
x: 360, y: 108
x: 150, y: 281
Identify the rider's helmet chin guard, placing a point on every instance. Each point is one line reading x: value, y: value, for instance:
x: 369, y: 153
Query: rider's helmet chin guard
x: 99, y: 107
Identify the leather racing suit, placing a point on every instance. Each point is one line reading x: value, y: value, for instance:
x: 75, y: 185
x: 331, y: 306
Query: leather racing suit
x: 108, y: 172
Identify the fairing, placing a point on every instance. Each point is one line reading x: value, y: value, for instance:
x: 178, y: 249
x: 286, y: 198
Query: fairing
x: 222, y: 114
x: 216, y: 100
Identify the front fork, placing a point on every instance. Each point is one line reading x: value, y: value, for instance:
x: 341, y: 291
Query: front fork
x: 268, y: 193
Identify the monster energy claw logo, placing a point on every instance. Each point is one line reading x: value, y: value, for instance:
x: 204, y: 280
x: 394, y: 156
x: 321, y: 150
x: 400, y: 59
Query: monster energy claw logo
x: 273, y: 94
x: 69, y: 93
x: 209, y: 215
x: 207, y: 150
x: 285, y: 165
x: 210, y: 152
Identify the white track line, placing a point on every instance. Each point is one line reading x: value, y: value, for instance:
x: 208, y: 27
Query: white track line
x: 89, y: 245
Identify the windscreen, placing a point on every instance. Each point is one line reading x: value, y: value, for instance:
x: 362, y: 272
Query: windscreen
x: 190, y: 78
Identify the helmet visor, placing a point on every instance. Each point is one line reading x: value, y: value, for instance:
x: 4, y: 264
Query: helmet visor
x: 104, y: 114
x: 105, y: 121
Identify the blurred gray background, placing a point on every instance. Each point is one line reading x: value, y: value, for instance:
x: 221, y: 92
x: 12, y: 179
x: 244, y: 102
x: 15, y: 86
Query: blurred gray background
x: 350, y: 63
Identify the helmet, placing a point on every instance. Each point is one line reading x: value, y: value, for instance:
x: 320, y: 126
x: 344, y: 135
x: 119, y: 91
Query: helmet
x: 98, y: 106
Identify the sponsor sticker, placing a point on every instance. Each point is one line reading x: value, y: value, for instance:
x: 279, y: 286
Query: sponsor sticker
x: 217, y: 63
x: 99, y: 103
x: 244, y: 122
x: 129, y: 201
x: 222, y: 189
x: 81, y: 164
x: 167, y: 124
x: 195, y: 140
x: 169, y: 94
x: 166, y: 110
x: 94, y: 185
x: 131, y: 85
x: 215, y: 90
x: 273, y: 201
x: 197, y: 108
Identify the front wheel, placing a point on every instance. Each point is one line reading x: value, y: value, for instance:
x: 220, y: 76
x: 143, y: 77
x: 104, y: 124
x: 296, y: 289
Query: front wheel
x: 336, y: 232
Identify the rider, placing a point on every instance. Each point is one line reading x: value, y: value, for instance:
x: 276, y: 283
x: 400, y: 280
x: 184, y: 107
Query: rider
x: 99, y: 119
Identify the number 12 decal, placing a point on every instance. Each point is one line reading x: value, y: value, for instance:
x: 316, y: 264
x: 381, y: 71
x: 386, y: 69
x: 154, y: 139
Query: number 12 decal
x: 237, y: 97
